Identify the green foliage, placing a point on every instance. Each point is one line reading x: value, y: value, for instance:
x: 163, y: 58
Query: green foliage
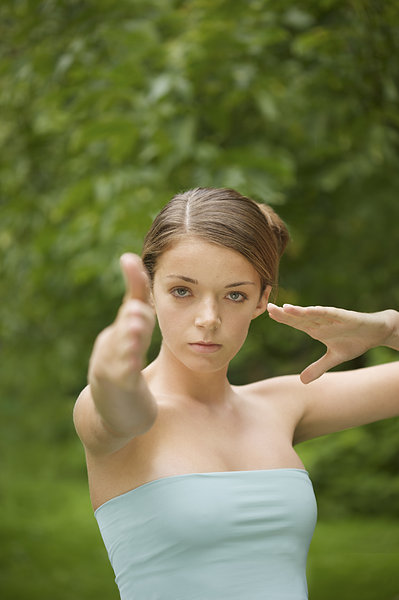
x: 356, y: 472
x: 108, y: 108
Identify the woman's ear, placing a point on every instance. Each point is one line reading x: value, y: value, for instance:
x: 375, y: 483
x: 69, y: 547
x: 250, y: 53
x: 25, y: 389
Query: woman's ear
x: 262, y: 303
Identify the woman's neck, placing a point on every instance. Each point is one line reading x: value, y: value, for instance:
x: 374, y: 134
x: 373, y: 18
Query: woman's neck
x: 167, y: 376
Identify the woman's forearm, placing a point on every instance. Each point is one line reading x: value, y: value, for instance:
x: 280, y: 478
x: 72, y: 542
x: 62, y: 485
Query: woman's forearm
x: 124, y: 412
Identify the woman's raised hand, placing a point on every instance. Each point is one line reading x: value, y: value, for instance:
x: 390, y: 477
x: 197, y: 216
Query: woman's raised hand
x: 119, y: 351
x: 345, y: 333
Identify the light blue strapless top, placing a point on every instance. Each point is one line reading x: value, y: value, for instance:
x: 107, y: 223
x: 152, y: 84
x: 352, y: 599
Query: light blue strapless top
x: 236, y: 535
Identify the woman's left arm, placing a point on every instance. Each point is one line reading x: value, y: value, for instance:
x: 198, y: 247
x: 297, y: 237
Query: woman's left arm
x: 344, y: 399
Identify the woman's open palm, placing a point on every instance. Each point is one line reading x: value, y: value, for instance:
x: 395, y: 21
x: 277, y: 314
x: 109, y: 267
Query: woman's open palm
x: 346, y: 334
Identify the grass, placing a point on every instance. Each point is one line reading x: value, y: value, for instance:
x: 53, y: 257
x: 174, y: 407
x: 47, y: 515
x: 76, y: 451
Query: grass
x: 354, y: 558
x: 50, y: 544
x: 51, y: 548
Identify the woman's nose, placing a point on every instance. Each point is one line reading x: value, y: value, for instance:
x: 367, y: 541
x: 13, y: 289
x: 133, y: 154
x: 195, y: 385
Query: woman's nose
x: 208, y: 316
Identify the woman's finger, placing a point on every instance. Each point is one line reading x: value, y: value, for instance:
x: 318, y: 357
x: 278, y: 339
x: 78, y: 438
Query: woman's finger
x: 319, y: 367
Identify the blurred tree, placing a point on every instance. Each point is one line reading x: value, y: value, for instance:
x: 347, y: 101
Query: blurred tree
x: 110, y: 108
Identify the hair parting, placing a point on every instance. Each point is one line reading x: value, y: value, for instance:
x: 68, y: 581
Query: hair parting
x: 220, y: 216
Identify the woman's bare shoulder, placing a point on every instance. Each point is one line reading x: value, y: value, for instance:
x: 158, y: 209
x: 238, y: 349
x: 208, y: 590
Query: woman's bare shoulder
x: 283, y: 395
x: 280, y: 387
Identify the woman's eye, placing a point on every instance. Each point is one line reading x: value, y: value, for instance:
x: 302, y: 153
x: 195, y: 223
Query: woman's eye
x: 237, y: 296
x: 180, y: 292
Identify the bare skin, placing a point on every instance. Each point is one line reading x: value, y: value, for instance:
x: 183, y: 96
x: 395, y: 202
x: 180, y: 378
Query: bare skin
x: 180, y: 414
x: 345, y: 333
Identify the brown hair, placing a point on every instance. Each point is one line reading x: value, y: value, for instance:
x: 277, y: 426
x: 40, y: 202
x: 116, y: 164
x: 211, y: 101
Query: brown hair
x: 223, y: 217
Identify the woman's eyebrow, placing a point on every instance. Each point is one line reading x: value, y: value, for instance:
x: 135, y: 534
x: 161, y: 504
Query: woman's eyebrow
x: 188, y: 279
x: 240, y: 283
x: 195, y: 281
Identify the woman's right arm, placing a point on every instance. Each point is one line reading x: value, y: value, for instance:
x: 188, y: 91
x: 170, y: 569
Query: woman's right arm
x: 117, y: 405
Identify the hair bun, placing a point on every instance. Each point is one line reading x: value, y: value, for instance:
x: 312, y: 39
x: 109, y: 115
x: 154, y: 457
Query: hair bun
x: 278, y: 226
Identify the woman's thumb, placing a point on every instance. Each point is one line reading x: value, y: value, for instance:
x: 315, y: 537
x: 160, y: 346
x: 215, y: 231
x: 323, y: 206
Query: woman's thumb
x: 136, y: 279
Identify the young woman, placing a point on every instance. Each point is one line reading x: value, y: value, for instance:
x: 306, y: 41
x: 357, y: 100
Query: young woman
x: 197, y: 489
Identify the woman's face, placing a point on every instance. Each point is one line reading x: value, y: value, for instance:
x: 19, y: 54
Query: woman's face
x: 205, y: 297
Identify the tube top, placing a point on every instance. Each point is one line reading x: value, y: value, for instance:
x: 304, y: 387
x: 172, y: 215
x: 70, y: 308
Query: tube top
x: 235, y: 535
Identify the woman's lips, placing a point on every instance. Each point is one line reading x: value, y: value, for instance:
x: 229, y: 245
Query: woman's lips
x: 205, y: 347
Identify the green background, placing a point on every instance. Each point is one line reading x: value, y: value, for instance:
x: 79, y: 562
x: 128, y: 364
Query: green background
x: 108, y: 109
